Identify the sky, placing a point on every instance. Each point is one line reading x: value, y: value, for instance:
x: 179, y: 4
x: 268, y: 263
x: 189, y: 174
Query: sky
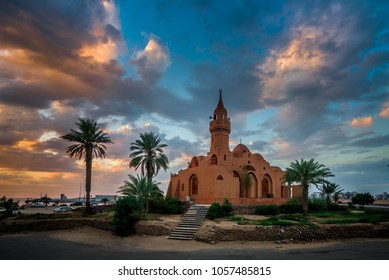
x: 300, y: 80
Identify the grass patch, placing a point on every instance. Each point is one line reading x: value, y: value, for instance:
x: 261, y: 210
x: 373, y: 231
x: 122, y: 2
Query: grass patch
x: 340, y: 221
x: 292, y: 217
x: 273, y: 221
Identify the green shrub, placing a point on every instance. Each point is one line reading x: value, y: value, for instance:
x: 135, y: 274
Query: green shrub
x: 337, y: 207
x: 317, y: 204
x: 217, y: 211
x: 362, y: 199
x: 226, y: 209
x: 167, y: 205
x: 214, y: 211
x: 267, y: 210
x: 127, y: 214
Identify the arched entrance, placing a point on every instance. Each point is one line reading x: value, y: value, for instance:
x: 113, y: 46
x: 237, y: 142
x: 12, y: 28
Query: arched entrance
x: 252, y: 189
x: 193, y: 186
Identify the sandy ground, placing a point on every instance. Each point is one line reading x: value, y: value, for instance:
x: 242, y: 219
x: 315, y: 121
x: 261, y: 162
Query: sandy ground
x: 91, y: 236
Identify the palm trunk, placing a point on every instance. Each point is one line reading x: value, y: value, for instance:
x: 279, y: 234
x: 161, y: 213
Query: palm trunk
x: 88, y: 178
x: 304, y: 200
x: 328, y: 201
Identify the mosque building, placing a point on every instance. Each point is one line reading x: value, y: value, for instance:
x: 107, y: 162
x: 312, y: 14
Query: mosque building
x: 240, y: 176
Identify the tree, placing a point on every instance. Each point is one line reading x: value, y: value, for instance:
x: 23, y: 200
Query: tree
x: 329, y: 190
x: 147, y: 153
x: 362, y: 199
x: 306, y: 173
x: 126, y: 215
x: 141, y: 188
x: 90, y: 141
x: 104, y: 200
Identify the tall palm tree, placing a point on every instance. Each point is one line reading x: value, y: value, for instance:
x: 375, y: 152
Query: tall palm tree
x: 141, y: 188
x: 90, y: 140
x: 147, y: 153
x: 306, y: 173
x: 329, y: 189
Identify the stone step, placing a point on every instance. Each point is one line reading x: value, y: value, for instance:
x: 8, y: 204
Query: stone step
x: 190, y: 223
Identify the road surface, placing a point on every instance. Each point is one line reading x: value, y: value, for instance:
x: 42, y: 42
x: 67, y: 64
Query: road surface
x: 45, y: 246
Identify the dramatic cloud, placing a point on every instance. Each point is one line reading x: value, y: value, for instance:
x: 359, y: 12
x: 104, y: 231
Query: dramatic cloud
x: 153, y: 60
x: 299, y: 81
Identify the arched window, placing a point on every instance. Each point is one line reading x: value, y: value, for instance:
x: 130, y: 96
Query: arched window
x: 225, y: 157
x: 213, y: 160
x: 265, y: 187
x: 194, y: 162
x: 220, y: 177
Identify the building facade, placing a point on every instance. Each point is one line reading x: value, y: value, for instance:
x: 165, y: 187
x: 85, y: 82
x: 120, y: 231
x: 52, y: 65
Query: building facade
x: 240, y: 176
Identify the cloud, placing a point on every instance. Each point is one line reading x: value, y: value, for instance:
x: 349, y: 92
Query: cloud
x: 385, y: 110
x: 362, y: 122
x: 153, y: 60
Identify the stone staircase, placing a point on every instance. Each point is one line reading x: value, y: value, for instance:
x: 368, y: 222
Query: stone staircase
x: 190, y: 222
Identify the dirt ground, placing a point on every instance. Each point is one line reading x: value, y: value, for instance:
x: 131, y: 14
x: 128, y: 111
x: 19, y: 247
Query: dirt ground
x: 91, y: 236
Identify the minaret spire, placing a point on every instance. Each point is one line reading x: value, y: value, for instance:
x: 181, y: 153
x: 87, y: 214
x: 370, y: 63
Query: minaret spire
x: 220, y: 128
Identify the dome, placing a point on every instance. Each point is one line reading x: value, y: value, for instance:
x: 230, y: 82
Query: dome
x: 240, y: 149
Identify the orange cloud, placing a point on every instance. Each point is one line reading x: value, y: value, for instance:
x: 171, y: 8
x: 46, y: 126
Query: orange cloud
x: 362, y: 122
x: 385, y: 111
x: 295, y: 62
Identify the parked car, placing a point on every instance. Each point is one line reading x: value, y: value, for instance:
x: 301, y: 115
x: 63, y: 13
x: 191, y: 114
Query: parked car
x: 63, y: 209
x: 38, y: 205
x: 94, y: 204
x: 4, y: 213
x: 77, y: 203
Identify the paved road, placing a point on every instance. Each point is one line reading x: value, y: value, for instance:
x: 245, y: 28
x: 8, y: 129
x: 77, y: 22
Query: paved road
x: 40, y: 246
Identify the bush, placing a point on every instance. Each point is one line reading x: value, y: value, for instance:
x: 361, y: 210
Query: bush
x: 217, y: 211
x: 214, y: 211
x: 362, y: 199
x: 168, y: 205
x: 270, y: 209
x: 226, y: 209
x: 317, y: 204
x: 127, y: 214
x: 292, y: 206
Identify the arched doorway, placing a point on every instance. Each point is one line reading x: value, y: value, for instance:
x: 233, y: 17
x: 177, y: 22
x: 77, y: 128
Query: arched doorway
x: 252, y: 189
x: 193, y: 186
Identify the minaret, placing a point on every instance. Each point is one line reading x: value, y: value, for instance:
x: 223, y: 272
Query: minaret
x: 220, y: 128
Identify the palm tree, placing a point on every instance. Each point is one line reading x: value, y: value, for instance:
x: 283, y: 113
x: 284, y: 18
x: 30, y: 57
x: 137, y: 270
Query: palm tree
x: 141, y: 188
x: 147, y: 153
x: 329, y: 189
x: 306, y: 173
x: 90, y: 141
x: 104, y: 200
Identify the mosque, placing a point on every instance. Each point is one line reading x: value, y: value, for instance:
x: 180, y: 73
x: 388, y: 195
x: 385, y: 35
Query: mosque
x: 240, y: 176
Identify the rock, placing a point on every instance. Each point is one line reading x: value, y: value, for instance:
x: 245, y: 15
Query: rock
x: 212, y: 242
x: 282, y: 231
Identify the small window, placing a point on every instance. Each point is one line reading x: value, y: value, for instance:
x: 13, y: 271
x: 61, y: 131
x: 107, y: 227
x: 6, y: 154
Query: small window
x: 213, y: 160
x: 182, y: 187
x: 220, y: 177
x: 225, y: 157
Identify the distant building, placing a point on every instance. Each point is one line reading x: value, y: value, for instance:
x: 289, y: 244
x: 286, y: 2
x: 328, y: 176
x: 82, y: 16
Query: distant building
x: 111, y: 198
x: 240, y: 176
x: 63, y: 197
